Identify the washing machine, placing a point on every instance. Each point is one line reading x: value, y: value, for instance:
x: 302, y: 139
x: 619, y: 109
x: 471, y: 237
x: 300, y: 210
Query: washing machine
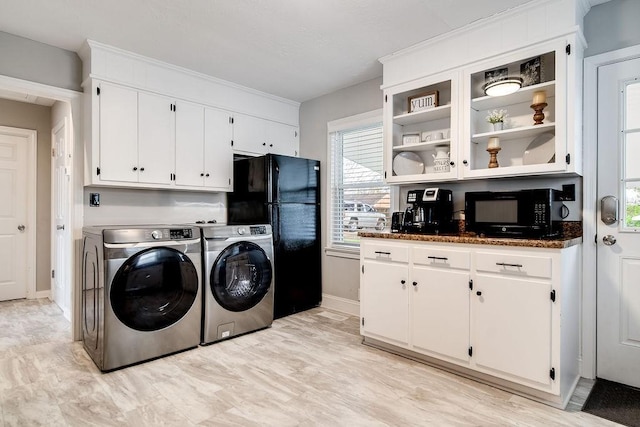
x: 238, y: 280
x: 141, y: 292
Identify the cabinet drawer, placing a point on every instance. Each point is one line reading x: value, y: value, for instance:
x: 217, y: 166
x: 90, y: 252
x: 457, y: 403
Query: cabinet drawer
x: 438, y: 257
x: 520, y: 265
x: 385, y: 252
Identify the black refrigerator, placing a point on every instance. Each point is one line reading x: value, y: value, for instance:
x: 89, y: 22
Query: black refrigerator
x: 285, y: 192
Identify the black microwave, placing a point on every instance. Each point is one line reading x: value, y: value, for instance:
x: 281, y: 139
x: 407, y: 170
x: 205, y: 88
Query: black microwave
x: 518, y: 214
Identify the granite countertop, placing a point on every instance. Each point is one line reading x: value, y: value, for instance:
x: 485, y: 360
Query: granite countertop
x: 559, y: 243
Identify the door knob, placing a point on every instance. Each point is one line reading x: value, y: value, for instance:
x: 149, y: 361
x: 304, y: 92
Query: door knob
x: 60, y: 227
x: 609, y: 240
x: 21, y: 227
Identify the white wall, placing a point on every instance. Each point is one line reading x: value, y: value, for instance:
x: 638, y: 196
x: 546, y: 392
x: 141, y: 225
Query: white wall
x: 339, y: 275
x: 611, y: 26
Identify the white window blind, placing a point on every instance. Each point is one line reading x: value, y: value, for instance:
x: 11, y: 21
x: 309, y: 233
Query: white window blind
x: 360, y: 198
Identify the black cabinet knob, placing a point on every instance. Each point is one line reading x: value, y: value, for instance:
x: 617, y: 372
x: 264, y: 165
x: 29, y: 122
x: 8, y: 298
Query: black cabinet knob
x: 207, y: 175
x: 264, y: 143
x: 403, y: 281
x: 464, y: 162
x: 479, y: 293
x: 141, y: 169
x: 135, y: 168
x: 452, y: 163
x: 415, y: 283
x: 202, y: 174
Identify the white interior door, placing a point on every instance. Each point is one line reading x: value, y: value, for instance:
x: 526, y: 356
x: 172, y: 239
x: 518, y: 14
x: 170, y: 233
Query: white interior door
x: 16, y: 227
x: 61, y: 248
x: 618, y: 245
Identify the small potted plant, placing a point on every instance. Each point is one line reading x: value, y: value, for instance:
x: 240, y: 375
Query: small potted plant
x: 496, y: 118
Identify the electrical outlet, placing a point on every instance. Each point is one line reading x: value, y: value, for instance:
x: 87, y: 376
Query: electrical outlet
x: 94, y: 199
x: 568, y: 193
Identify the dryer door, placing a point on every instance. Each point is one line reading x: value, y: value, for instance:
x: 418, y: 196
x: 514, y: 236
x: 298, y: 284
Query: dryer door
x: 154, y: 289
x: 241, y: 276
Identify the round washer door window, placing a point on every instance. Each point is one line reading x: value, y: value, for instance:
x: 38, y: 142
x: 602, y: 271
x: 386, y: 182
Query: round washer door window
x: 241, y: 276
x: 154, y: 289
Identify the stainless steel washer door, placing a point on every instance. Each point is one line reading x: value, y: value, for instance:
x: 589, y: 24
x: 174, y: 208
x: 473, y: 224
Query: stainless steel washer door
x: 241, y: 276
x: 154, y: 289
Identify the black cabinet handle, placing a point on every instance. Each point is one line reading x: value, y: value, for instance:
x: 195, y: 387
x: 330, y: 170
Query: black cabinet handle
x: 403, y: 281
x: 479, y: 293
x: 452, y: 163
x: 415, y: 283
x: 382, y: 253
x: 442, y: 258
x: 503, y: 264
x: 202, y: 174
x: 270, y: 145
x: 141, y: 169
x: 135, y: 168
x: 264, y: 143
x: 207, y: 175
x: 464, y: 162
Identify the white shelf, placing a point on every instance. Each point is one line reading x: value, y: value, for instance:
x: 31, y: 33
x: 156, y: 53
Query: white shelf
x: 436, y: 113
x: 525, y: 94
x: 516, y: 133
x: 421, y: 145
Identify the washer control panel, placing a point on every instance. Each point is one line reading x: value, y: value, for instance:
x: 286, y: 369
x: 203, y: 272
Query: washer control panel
x: 180, y: 233
x: 259, y: 229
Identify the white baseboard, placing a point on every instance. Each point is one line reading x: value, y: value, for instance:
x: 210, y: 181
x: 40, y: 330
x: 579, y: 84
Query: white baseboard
x: 342, y: 305
x: 43, y: 294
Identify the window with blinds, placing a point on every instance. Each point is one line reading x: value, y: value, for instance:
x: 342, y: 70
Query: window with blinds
x: 360, y: 199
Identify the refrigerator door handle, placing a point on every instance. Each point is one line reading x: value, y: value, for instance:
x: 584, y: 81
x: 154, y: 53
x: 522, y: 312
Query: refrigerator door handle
x: 274, y: 220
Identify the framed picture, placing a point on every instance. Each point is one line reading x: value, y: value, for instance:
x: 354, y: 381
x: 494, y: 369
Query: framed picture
x: 423, y: 101
x: 495, y: 75
x: 530, y: 71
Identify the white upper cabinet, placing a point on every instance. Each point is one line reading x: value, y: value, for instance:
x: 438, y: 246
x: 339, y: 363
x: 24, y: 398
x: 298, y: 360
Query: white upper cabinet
x: 116, y: 142
x: 155, y: 125
x: 524, y: 144
x: 421, y: 130
x: 156, y: 139
x: 253, y: 135
x: 218, y: 153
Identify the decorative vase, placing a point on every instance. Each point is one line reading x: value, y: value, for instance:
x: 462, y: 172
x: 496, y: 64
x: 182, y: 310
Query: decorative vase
x: 441, y: 159
x: 498, y: 126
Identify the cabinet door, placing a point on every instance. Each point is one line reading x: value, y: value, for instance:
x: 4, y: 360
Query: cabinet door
x: 282, y: 139
x: 156, y: 139
x: 511, y: 331
x: 249, y: 134
x: 384, y: 302
x: 118, y: 133
x: 189, y: 144
x: 440, y: 312
x: 218, y: 154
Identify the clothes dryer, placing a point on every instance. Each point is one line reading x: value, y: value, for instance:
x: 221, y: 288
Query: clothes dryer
x: 141, y: 292
x: 238, y: 280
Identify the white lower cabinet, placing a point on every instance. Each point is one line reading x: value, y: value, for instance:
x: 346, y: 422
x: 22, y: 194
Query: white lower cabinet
x: 385, y: 313
x: 440, y: 302
x: 507, y: 315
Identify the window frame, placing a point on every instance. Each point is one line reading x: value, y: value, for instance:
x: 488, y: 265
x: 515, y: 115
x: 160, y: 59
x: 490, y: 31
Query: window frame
x: 369, y: 118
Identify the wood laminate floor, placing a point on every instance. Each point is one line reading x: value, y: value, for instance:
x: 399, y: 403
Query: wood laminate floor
x: 307, y: 369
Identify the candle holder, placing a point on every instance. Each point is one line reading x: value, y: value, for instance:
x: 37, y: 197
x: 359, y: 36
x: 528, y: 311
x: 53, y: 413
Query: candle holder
x: 493, y: 157
x: 538, y: 116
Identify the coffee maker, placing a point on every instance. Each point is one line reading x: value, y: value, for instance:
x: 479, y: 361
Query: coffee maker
x: 430, y: 211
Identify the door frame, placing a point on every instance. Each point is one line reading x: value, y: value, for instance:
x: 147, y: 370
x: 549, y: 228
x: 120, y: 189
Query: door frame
x: 62, y: 124
x: 74, y: 99
x: 590, y: 201
x: 31, y: 137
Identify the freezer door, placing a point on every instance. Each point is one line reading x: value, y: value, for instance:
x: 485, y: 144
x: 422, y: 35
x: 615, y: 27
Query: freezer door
x: 293, y: 180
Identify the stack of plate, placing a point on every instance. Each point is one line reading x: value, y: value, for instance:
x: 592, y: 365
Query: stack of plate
x: 540, y: 150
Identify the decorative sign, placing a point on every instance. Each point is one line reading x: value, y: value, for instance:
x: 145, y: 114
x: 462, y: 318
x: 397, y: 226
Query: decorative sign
x: 530, y: 71
x: 423, y: 101
x: 495, y: 75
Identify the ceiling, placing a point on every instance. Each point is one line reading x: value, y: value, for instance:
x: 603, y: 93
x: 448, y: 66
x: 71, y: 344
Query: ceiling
x: 295, y: 49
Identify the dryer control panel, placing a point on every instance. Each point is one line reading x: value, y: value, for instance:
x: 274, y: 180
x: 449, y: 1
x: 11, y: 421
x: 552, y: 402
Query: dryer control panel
x: 258, y: 229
